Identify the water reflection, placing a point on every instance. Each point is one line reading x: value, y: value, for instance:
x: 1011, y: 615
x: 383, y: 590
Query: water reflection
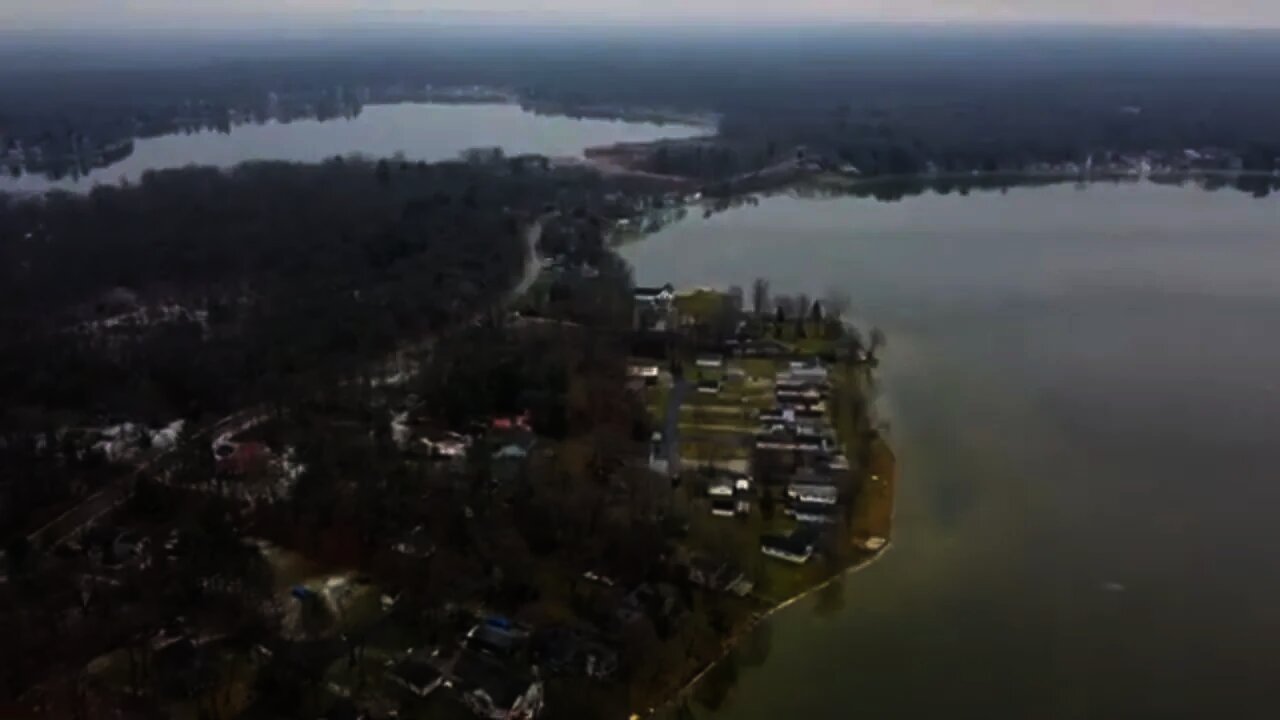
x: 897, y: 189
x: 829, y: 600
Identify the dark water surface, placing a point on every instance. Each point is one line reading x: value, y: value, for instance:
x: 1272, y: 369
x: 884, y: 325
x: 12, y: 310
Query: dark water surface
x: 1083, y: 387
x: 422, y: 131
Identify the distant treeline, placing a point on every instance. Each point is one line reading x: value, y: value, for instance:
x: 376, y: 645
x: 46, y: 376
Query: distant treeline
x: 885, y: 101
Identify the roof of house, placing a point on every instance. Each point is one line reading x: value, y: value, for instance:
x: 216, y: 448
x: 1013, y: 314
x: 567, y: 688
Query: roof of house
x: 724, y: 506
x: 653, y: 291
x: 416, y: 671
x: 342, y: 709
x: 504, y: 685
x: 793, y: 544
x: 489, y: 638
x: 808, y: 476
x: 722, y: 486
x: 511, y: 423
x: 818, y: 491
x: 511, y: 451
x: 244, y: 457
x: 816, y: 509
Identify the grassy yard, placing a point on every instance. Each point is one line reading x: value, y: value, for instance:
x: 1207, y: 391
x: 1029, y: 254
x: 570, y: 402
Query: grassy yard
x: 873, y: 511
x: 696, y: 451
x: 703, y: 306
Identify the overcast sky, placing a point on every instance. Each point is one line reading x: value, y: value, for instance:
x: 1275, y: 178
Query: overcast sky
x: 89, y: 14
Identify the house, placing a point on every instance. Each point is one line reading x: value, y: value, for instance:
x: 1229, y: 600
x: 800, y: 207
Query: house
x: 660, y: 602
x: 655, y: 296
x: 795, y: 548
x: 498, y: 638
x: 719, y: 576
x: 720, y: 488
x: 792, y: 416
x: 723, y: 507
x: 344, y: 709
x: 417, y: 674
x: 804, y: 399
x: 416, y: 544
x: 810, y: 440
x: 838, y: 463
x: 449, y: 445
x: 515, y: 422
x: 786, y: 382
x: 825, y: 494
x: 512, y: 451
x: 120, y: 443
x: 649, y: 374
x: 710, y: 362
x: 568, y: 651
x: 813, y: 513
x: 126, y: 548
x: 809, y: 370
x: 241, y: 459
x: 659, y: 455
x: 709, y: 387
x: 166, y: 438
x: 654, y: 308
x: 495, y: 690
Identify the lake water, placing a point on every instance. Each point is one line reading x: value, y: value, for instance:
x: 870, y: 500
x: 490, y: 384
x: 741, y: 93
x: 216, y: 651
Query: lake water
x: 421, y: 131
x: 1083, y: 387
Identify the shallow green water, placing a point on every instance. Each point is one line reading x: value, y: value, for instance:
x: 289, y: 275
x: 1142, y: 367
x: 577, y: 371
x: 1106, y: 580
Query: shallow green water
x: 1082, y: 389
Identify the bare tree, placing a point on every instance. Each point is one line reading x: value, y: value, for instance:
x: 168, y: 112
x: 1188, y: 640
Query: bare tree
x: 760, y: 296
x: 736, y: 298
x: 878, y: 341
x: 836, y: 304
x: 786, y: 307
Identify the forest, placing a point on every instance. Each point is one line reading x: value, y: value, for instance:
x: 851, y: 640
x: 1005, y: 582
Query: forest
x: 887, y: 100
x: 196, y: 293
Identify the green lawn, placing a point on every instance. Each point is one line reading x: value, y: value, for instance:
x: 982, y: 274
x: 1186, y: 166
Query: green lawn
x: 701, y: 305
x: 656, y: 398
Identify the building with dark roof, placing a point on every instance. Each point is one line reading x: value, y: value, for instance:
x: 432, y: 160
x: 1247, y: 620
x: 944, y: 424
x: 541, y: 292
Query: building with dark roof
x: 496, y: 690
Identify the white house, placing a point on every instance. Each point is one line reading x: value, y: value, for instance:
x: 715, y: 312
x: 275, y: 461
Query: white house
x: 720, y: 488
x: 658, y: 296
x: 792, y: 549
x: 814, y: 494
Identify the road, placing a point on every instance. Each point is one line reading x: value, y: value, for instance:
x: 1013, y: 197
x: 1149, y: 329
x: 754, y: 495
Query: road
x: 89, y: 510
x: 671, y: 427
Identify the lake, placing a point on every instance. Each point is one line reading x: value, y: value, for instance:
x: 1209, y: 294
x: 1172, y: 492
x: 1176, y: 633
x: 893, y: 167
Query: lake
x: 1082, y: 386
x: 422, y: 131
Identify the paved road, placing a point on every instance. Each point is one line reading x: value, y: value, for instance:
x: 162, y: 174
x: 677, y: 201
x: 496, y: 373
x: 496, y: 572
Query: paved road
x: 671, y: 429
x: 104, y: 501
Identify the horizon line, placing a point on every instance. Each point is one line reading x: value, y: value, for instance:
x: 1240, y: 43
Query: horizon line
x: 411, y: 21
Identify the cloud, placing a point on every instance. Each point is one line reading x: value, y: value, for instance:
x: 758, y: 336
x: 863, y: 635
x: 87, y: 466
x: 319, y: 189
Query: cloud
x: 71, y: 14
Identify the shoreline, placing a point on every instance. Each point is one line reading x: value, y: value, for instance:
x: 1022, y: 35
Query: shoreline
x: 734, y: 639
x: 731, y: 643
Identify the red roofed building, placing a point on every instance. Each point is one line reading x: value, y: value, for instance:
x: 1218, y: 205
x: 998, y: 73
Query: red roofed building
x: 517, y: 422
x: 240, y: 459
